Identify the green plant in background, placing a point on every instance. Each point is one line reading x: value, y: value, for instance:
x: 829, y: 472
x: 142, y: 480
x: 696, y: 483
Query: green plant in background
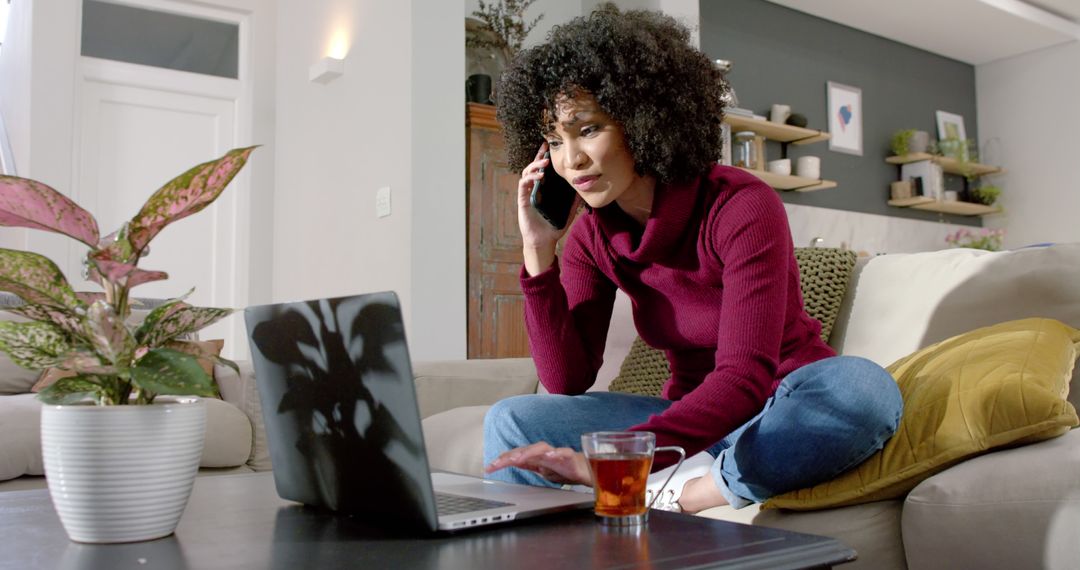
x: 986, y: 194
x: 506, y: 19
x: 87, y: 333
x: 900, y: 141
x: 964, y: 152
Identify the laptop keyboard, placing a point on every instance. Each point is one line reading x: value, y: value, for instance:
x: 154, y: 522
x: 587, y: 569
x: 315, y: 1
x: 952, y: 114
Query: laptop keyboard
x: 448, y: 504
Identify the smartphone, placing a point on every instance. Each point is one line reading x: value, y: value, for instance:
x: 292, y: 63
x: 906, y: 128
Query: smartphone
x: 553, y: 196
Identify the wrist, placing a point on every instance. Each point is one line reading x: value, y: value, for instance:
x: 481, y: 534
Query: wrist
x: 538, y: 259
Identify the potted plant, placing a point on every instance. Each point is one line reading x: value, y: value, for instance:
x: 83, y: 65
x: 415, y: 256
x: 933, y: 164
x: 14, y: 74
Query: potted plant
x: 492, y: 38
x: 986, y: 194
x: 909, y: 141
x: 121, y: 438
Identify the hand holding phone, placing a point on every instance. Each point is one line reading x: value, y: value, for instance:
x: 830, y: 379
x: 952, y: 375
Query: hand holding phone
x: 553, y: 197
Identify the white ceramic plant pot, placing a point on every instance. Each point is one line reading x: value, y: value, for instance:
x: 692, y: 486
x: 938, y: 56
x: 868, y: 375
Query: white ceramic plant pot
x: 122, y: 473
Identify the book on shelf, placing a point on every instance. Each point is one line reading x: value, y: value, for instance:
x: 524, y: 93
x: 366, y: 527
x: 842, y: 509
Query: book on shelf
x: 931, y: 178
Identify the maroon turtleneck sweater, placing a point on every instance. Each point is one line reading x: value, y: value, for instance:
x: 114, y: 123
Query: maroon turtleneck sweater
x: 714, y: 284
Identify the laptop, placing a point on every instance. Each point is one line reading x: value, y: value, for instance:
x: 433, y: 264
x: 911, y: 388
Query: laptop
x: 343, y: 425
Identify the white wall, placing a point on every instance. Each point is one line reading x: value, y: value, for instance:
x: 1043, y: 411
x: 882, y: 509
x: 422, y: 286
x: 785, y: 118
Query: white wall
x: 1027, y: 107
x: 395, y: 118
x: 39, y: 58
x: 15, y: 100
x: 870, y: 233
x: 437, y: 329
x: 336, y: 145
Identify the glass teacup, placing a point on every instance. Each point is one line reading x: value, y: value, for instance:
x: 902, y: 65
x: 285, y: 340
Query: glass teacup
x: 620, y: 463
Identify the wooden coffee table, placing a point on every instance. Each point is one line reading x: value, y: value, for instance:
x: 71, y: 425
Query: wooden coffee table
x: 238, y: 521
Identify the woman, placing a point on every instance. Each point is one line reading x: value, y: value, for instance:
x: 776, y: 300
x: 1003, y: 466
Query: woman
x: 631, y: 116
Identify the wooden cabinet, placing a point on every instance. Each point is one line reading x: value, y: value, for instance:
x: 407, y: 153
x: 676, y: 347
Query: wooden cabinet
x: 496, y: 315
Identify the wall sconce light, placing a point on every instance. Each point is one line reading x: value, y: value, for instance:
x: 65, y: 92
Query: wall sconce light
x: 326, y: 70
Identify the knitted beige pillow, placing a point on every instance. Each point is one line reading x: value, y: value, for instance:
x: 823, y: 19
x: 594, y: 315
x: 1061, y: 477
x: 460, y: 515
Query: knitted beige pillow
x: 823, y: 276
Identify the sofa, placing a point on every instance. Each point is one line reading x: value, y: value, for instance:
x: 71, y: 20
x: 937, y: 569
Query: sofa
x: 235, y: 438
x: 1007, y: 507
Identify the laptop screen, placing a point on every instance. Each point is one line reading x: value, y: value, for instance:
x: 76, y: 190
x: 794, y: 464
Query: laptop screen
x: 339, y: 405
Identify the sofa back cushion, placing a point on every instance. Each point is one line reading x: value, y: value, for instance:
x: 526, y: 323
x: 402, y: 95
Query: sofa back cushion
x: 899, y: 303
x: 824, y: 275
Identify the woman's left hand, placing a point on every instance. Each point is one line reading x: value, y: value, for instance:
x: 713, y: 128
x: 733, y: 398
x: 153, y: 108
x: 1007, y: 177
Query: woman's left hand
x: 556, y: 464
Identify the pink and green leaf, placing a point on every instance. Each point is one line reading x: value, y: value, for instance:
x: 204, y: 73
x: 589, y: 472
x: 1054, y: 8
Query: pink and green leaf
x: 139, y: 276
x: 113, y: 271
x: 85, y: 361
x: 165, y: 371
x: 35, y: 279
x: 67, y: 320
x: 115, y: 247
x: 88, y: 297
x: 27, y: 203
x: 156, y: 316
x: 182, y: 320
x: 108, y: 335
x: 185, y: 195
x: 71, y: 390
x: 33, y: 345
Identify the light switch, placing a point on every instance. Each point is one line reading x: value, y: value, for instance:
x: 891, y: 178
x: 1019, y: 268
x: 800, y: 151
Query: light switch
x: 382, y: 202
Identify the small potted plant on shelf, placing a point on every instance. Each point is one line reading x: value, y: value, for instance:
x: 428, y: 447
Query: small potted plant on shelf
x: 121, y: 438
x: 909, y: 141
x: 986, y: 194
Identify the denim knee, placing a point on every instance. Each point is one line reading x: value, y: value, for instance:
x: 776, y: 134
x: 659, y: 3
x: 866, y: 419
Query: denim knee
x: 875, y: 396
x: 502, y: 423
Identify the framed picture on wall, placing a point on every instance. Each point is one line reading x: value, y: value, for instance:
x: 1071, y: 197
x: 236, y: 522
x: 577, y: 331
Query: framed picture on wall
x: 950, y: 126
x: 952, y: 139
x: 845, y: 118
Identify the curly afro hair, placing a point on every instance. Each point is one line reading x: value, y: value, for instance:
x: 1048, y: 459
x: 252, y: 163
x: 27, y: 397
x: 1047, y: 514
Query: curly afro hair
x: 641, y: 69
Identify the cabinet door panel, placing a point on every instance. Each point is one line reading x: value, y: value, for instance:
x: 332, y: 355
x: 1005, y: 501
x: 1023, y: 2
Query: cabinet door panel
x: 496, y: 318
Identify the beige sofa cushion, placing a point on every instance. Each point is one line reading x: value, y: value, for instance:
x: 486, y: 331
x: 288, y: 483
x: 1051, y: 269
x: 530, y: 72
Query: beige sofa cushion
x: 15, y: 379
x: 228, y: 436
x: 20, y: 445
x: 899, y: 303
x: 976, y: 515
x: 454, y: 440
x: 242, y: 391
x: 445, y: 385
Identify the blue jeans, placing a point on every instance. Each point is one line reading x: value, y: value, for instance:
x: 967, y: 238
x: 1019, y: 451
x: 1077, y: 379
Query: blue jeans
x: 824, y: 419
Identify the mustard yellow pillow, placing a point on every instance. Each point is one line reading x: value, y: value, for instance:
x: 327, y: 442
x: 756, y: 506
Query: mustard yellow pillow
x: 992, y: 387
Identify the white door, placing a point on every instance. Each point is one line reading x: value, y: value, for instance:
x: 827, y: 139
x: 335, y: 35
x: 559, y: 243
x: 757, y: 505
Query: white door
x: 137, y: 127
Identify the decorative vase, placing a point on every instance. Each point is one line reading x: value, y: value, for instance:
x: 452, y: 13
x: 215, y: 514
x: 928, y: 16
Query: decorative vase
x: 122, y: 473
x: 919, y: 142
x: 478, y: 89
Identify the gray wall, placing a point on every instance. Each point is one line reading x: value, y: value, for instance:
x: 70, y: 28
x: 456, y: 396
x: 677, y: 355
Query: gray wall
x: 785, y: 56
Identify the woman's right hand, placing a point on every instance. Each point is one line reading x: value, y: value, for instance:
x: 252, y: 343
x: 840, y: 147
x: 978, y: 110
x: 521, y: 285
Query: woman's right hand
x: 538, y: 237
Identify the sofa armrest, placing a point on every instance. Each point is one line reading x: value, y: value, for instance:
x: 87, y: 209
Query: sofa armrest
x: 448, y: 384
x: 240, y: 391
x: 1013, y: 508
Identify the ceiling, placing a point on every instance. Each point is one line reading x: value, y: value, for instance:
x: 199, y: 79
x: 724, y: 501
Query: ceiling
x: 972, y: 31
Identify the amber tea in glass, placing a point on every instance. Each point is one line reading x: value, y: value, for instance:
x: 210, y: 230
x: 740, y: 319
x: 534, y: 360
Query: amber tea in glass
x: 620, y: 463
